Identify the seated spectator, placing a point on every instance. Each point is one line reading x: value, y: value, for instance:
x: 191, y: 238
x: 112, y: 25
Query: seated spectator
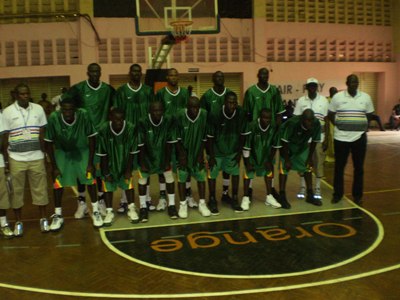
x: 395, y: 117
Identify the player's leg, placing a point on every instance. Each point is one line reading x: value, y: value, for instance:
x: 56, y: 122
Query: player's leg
x: 235, y: 191
x: 162, y: 202
x: 183, y: 205
x: 270, y: 200
x: 319, y: 158
x: 132, y: 214
x: 5, y: 229
x: 143, y: 211
x: 283, y: 173
x: 225, y: 188
x: 247, y: 179
x: 170, y: 185
x: 96, y: 215
x: 57, y: 218
x: 109, y: 218
x: 82, y: 209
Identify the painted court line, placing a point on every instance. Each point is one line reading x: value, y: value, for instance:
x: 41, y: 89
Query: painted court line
x: 68, y: 245
x: 123, y: 241
x: 352, y: 218
x: 311, y: 222
x: 391, y: 213
x: 268, y: 227
x: 173, y: 236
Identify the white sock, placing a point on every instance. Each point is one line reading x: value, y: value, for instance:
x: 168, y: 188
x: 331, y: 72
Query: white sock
x: 123, y: 197
x: 226, y: 182
x: 58, y: 211
x: 95, y: 206
x: 99, y: 194
x: 202, y: 201
x: 142, y: 200
x: 188, y: 185
x: 148, y: 198
x: 272, y: 182
x: 171, y: 199
x: 3, y: 221
x: 163, y: 187
x: 318, y: 183
x: 251, y: 183
x: 82, y: 194
x: 183, y: 202
x: 109, y: 209
x: 302, y: 182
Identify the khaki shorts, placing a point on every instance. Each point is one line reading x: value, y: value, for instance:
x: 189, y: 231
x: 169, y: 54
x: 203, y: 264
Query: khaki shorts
x: 4, y: 199
x: 37, y: 177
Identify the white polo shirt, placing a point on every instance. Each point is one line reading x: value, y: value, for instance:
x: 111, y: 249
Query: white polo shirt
x: 319, y: 106
x: 1, y: 133
x: 23, y: 126
x: 351, y: 115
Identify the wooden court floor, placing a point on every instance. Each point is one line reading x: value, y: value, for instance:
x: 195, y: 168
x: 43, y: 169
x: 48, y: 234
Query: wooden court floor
x: 78, y: 262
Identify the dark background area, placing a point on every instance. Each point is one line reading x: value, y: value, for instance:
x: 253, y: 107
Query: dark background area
x: 241, y: 9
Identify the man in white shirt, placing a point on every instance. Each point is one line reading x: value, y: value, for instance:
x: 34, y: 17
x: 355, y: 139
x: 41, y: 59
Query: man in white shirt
x: 349, y: 111
x: 319, y: 105
x: 24, y: 124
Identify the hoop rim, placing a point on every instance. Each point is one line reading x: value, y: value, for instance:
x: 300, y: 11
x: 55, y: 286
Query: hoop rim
x: 181, y: 23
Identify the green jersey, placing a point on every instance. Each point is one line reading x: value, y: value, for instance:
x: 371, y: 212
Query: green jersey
x: 256, y: 99
x: 97, y: 101
x: 226, y: 131
x: 135, y: 103
x: 192, y: 134
x: 212, y: 102
x: 260, y: 142
x: 297, y: 137
x: 117, y: 146
x: 70, y: 138
x: 173, y: 102
x: 154, y: 138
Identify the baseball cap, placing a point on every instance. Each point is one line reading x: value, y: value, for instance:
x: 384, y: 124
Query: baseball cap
x: 312, y: 80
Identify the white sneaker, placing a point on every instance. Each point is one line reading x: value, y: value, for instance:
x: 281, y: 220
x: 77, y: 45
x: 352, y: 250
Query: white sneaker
x: 203, y: 209
x: 108, y: 219
x: 191, y: 202
x: 302, y: 193
x: 271, y: 201
x: 102, y: 207
x: 81, y: 211
x: 132, y: 214
x: 183, y: 210
x: 56, y: 223
x: 97, y: 219
x: 245, y: 203
x: 162, y: 204
x: 317, y: 194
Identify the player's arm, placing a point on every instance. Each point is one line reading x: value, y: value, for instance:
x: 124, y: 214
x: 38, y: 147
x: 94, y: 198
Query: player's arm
x: 246, y: 158
x: 129, y: 164
x: 327, y: 130
x: 182, y: 155
x: 168, y: 153
x: 332, y: 116
x: 142, y: 158
x: 92, y: 147
x: 284, y: 152
x: 105, y: 169
x: 49, y: 146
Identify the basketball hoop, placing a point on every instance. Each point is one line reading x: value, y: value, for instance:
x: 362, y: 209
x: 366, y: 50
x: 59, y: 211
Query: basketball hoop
x: 181, y: 29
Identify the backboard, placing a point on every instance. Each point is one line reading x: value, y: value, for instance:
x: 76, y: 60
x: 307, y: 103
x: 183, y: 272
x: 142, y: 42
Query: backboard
x: 154, y: 17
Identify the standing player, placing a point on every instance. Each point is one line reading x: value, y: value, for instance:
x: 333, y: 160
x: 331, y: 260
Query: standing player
x: 117, y: 144
x: 212, y: 101
x: 95, y: 97
x: 225, y: 140
x: 258, y: 153
x: 264, y: 95
x: 175, y: 98
x: 134, y: 98
x: 191, y: 134
x: 297, y: 152
x: 70, y: 143
x: 157, y: 138
x: 319, y: 105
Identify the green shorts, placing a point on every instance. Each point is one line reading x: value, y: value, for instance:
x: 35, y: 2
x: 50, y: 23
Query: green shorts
x: 70, y: 180
x: 195, y: 172
x: 124, y: 184
x: 299, y: 161
x: 228, y: 164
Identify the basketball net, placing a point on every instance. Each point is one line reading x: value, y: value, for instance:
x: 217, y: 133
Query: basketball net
x: 181, y: 29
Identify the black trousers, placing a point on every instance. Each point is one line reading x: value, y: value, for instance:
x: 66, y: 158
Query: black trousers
x: 358, y: 150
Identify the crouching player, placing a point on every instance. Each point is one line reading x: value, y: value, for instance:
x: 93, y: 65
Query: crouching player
x: 258, y: 153
x: 225, y: 140
x: 297, y: 152
x: 70, y: 144
x: 117, y: 145
x: 157, y: 139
